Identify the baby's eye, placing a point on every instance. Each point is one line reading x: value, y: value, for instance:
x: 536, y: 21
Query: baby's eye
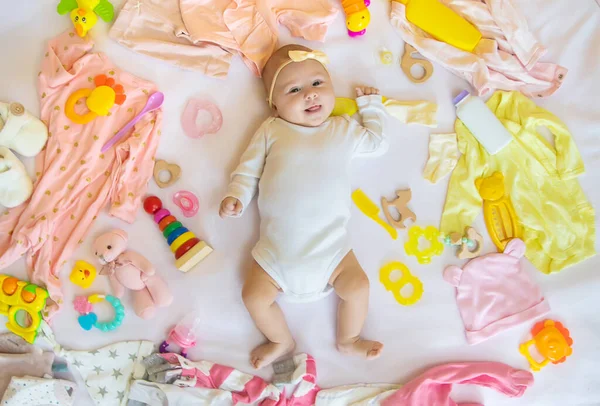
x: 317, y: 83
x: 294, y: 90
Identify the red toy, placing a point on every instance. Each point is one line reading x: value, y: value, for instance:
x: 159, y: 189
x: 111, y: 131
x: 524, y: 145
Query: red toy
x: 188, y: 249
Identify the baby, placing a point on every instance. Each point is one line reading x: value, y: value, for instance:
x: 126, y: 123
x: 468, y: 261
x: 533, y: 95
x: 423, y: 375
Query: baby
x: 299, y: 159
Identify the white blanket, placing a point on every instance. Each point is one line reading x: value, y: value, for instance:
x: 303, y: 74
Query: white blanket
x: 416, y: 337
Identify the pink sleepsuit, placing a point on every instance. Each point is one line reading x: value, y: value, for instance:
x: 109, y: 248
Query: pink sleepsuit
x: 74, y: 179
x: 205, y: 34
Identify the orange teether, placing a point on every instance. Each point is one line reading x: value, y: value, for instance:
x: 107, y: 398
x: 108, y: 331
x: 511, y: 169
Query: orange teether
x: 552, y: 341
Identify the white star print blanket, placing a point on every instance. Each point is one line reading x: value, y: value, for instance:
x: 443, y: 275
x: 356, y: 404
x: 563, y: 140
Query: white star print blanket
x: 107, y: 371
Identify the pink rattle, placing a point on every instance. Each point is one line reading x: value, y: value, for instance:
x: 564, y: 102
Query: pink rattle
x: 187, y: 202
x: 190, y: 114
x: 183, y: 334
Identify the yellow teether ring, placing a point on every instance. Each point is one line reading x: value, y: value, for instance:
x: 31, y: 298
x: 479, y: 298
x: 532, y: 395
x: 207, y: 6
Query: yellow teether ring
x: 70, y: 107
x: 396, y: 286
x: 432, y: 235
x: 101, y: 100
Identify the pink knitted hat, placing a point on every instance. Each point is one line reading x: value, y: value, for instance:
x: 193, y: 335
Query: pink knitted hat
x: 493, y: 294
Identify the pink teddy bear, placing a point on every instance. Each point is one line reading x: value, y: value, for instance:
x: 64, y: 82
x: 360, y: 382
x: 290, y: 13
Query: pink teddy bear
x: 128, y: 269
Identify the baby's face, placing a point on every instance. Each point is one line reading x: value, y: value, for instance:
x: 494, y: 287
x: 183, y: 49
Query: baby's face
x: 303, y: 93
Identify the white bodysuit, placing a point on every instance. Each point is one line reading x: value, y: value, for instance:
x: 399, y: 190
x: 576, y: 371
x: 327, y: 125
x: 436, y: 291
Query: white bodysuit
x: 304, y: 200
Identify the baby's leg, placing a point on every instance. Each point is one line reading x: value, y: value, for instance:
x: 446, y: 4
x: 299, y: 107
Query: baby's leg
x: 351, y: 284
x: 259, y: 294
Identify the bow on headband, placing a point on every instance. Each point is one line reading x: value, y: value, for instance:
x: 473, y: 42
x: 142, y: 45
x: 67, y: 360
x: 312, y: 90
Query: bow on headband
x: 297, y: 56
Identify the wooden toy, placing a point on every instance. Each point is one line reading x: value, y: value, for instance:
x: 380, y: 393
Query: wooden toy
x: 173, y: 169
x: 358, y: 16
x: 400, y: 203
x: 498, y: 212
x: 370, y: 209
x: 188, y: 249
x: 407, y: 62
x: 406, y: 278
x: 83, y: 274
x: 432, y: 235
x: 466, y: 252
x: 470, y: 244
x: 552, y: 341
x: 17, y: 295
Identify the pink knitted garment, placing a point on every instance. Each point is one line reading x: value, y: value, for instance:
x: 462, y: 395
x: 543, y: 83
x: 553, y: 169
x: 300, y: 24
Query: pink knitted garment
x: 493, y: 294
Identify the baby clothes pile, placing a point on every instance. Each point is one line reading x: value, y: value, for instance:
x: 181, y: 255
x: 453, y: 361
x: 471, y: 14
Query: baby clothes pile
x: 26, y: 375
x: 26, y: 135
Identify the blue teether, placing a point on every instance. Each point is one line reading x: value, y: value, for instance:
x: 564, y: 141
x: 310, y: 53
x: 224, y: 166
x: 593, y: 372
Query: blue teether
x: 87, y: 321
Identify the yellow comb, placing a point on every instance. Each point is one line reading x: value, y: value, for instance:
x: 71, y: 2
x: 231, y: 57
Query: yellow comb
x: 370, y: 209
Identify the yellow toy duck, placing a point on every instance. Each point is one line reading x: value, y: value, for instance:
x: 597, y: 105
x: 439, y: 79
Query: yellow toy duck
x: 84, y: 13
x: 83, y: 274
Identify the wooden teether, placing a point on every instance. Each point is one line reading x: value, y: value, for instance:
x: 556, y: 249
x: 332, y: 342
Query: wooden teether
x: 173, y: 169
x: 400, y: 203
x: 464, y: 252
x: 408, y: 61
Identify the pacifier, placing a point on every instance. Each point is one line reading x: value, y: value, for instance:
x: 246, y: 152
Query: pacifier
x: 187, y: 202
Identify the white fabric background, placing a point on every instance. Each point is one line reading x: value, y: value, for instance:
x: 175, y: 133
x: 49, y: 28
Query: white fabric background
x: 415, y: 338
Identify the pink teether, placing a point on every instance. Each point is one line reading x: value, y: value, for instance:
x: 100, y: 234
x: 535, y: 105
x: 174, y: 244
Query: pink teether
x: 190, y: 114
x: 187, y: 202
x: 82, y: 305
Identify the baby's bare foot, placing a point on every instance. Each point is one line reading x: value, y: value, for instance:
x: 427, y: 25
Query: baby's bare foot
x: 266, y: 353
x: 364, y: 348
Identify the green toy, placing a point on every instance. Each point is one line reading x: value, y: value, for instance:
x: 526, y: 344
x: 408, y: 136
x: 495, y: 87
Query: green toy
x: 84, y: 13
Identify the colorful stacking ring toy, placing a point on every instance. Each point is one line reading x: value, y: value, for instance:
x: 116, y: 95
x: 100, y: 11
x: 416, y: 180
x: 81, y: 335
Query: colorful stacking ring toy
x: 187, y: 248
x: 88, y: 319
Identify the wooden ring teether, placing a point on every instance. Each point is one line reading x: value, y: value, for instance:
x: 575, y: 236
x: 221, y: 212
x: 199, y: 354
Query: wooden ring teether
x: 173, y: 169
x: 400, y: 203
x: 408, y: 61
x: 464, y: 252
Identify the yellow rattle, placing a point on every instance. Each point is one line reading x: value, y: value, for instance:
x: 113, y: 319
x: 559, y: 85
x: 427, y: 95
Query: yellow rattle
x: 16, y: 296
x: 432, y: 235
x: 98, y: 100
x: 552, y: 340
x: 396, y: 286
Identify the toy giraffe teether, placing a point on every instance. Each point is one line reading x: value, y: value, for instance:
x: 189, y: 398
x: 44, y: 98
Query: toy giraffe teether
x: 498, y: 211
x: 400, y: 203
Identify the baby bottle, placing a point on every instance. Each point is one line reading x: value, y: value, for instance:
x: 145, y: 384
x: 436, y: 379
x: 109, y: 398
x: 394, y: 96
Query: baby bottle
x: 183, y: 334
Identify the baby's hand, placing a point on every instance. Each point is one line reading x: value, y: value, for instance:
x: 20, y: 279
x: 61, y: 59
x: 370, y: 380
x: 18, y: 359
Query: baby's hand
x: 230, y: 207
x: 366, y: 91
